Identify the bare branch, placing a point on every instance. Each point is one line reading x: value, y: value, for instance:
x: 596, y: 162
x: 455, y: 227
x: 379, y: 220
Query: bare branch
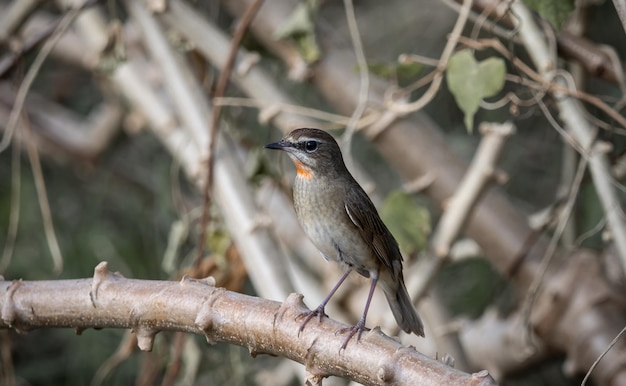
x: 364, y: 78
x: 220, y: 91
x: 448, y: 50
x: 481, y: 172
x: 593, y: 57
x: 571, y: 112
x: 14, y: 216
x: 196, y: 306
x: 59, y: 30
x: 61, y: 133
x: 14, y: 17
x: 232, y: 195
x: 42, y: 197
x: 609, y: 347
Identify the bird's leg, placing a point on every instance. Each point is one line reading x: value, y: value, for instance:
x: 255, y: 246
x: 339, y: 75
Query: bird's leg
x: 319, y: 311
x: 360, y: 326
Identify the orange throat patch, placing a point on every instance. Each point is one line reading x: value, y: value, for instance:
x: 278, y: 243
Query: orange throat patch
x: 303, y: 170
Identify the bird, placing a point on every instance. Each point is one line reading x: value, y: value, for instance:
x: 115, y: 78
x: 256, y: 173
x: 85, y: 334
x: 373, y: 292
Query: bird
x: 342, y: 222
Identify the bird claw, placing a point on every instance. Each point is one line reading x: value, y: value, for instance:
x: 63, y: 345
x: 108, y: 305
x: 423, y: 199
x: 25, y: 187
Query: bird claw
x: 319, y: 312
x: 357, y: 330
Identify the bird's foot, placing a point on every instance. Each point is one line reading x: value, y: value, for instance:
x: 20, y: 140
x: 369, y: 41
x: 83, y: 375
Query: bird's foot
x: 357, y: 330
x: 319, y: 312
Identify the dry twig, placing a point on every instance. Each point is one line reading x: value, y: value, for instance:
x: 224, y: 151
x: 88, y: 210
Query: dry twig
x: 220, y: 90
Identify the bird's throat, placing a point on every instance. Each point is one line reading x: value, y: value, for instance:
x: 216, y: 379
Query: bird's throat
x: 303, y: 170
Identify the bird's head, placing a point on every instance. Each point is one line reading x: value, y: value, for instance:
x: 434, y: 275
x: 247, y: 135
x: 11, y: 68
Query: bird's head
x: 313, y: 151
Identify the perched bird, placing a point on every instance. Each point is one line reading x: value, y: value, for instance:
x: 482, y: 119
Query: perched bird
x: 342, y: 222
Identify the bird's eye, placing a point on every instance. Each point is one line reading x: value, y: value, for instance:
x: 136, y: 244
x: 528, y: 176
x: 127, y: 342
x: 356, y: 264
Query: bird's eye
x: 310, y: 146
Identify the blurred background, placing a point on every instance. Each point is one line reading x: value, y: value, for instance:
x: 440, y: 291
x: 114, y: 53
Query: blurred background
x: 118, y: 152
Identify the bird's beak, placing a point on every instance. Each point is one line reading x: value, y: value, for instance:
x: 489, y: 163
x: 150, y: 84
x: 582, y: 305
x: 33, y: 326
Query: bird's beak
x: 280, y: 145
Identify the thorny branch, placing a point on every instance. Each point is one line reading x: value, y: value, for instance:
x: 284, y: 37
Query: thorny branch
x: 197, y: 306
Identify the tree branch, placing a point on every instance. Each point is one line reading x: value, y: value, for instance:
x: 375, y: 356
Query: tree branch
x: 571, y: 112
x: 231, y: 194
x: 197, y: 306
x: 480, y: 173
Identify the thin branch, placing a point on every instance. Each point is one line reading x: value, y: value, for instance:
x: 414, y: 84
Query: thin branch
x: 42, y: 198
x: 571, y: 113
x: 189, y: 144
x: 566, y: 212
x: 11, y: 58
x: 481, y: 20
x: 14, y: 17
x: 60, y: 29
x: 595, y: 58
x: 14, y: 216
x: 269, y: 109
x: 407, y: 108
x: 546, y: 80
x: 220, y: 90
x: 214, y: 44
x: 597, y: 361
x: 364, y: 85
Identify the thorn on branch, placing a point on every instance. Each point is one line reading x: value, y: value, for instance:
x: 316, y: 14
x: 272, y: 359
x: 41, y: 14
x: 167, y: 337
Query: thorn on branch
x: 313, y: 379
x: 482, y: 377
x: 145, y: 338
x: 8, y: 308
x: 208, y: 281
x: 385, y: 374
x: 100, y: 274
x: 206, y: 315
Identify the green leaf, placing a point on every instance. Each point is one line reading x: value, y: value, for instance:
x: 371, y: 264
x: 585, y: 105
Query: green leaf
x: 407, y: 221
x: 218, y: 240
x: 299, y: 22
x: 300, y: 27
x: 554, y: 11
x: 471, y: 81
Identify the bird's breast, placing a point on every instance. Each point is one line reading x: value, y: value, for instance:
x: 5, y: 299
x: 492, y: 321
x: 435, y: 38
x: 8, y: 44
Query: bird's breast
x: 321, y: 212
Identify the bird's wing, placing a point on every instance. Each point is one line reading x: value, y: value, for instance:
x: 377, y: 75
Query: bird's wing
x: 365, y: 217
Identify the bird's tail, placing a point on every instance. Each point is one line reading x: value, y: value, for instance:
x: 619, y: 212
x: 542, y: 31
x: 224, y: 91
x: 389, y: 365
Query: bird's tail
x: 402, y: 307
